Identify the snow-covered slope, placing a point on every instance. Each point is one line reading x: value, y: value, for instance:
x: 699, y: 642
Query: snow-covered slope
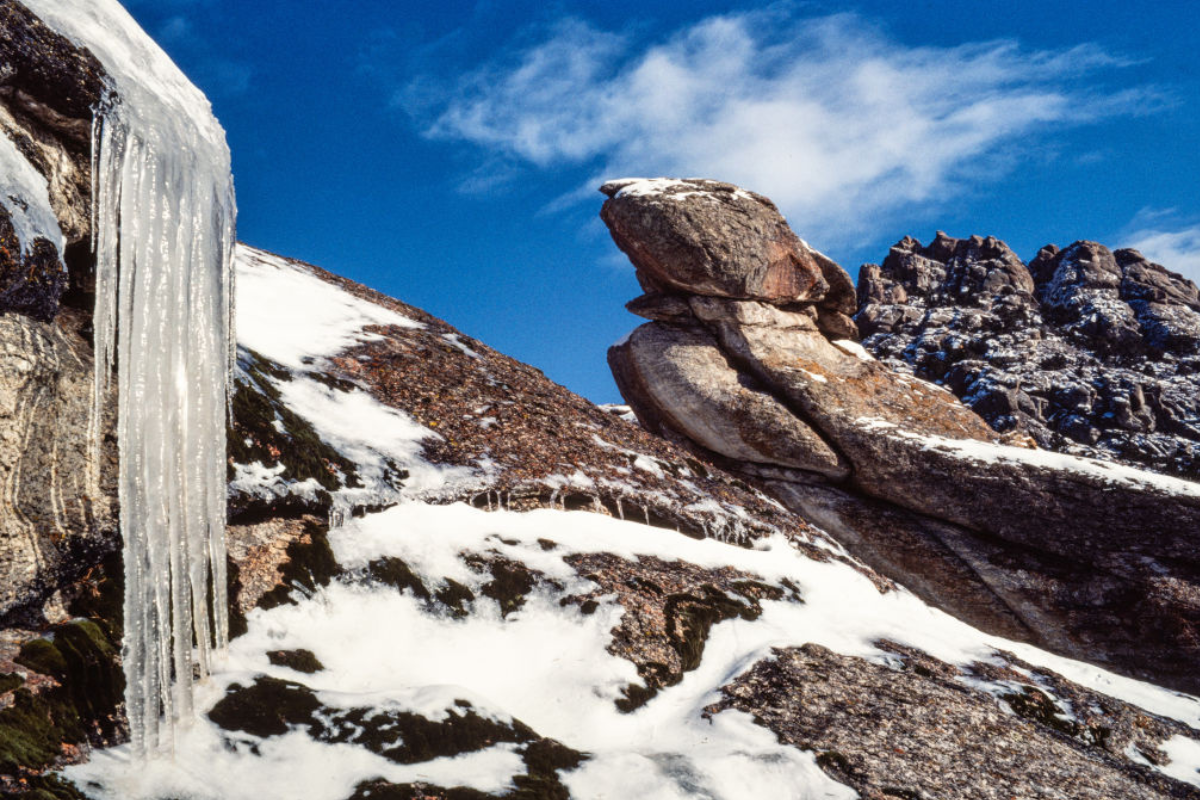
x: 446, y: 641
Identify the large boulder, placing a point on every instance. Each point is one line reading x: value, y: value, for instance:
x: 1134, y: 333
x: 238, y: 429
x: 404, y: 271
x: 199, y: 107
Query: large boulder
x: 711, y: 238
x: 982, y: 523
x: 682, y: 384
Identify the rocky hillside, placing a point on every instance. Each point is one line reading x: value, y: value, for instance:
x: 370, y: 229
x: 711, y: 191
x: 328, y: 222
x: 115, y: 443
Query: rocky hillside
x: 1089, y: 351
x: 465, y: 634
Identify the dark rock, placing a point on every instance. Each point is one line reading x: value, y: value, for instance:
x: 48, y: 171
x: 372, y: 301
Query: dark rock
x: 299, y: 660
x: 1094, y: 361
x: 48, y: 91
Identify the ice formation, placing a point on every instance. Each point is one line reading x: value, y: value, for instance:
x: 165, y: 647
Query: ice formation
x: 163, y: 226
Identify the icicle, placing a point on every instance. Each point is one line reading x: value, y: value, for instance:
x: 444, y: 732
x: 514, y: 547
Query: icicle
x: 164, y: 222
x: 620, y: 510
x: 163, y: 236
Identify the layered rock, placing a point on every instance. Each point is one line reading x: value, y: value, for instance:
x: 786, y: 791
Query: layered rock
x: 1092, y: 561
x: 1090, y: 352
x: 59, y: 515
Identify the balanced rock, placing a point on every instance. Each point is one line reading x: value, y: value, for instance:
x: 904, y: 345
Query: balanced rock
x: 710, y: 238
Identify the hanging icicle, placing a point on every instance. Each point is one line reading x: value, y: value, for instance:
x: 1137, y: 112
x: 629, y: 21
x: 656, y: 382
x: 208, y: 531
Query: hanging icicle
x: 163, y: 228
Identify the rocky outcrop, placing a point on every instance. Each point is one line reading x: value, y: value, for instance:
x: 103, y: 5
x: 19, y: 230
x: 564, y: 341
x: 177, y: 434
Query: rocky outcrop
x: 953, y: 739
x: 1092, y: 561
x: 1090, y: 352
x: 718, y: 240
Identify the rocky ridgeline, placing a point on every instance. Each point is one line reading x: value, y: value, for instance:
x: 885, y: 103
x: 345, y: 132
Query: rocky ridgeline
x: 1089, y: 351
x: 747, y: 361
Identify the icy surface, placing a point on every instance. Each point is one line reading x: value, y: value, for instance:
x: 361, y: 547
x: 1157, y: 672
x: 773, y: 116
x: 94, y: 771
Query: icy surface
x: 26, y: 196
x: 164, y: 234
x: 292, y: 317
x: 548, y: 665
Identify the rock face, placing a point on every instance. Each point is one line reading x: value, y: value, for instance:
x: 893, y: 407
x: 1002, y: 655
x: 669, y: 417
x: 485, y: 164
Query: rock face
x: 1019, y: 541
x: 56, y: 523
x: 1088, y: 351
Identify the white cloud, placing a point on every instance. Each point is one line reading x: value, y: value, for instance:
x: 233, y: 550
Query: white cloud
x: 1163, y: 238
x: 829, y: 117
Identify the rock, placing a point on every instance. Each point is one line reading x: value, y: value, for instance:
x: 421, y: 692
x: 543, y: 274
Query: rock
x: 763, y: 391
x: 677, y: 381
x: 1097, y: 360
x: 55, y: 524
x: 48, y: 89
x: 952, y: 740
x: 710, y: 238
x: 666, y: 307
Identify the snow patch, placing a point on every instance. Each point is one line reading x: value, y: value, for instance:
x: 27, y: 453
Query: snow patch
x: 26, y: 196
x: 853, y: 348
x: 289, y: 315
x: 1184, y: 755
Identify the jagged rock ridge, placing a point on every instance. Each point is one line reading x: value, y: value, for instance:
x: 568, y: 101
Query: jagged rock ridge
x: 1091, y: 352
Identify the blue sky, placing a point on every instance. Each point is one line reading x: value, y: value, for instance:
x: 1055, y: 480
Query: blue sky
x: 448, y: 153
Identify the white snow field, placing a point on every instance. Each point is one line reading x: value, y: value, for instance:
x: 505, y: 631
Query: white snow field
x: 548, y: 666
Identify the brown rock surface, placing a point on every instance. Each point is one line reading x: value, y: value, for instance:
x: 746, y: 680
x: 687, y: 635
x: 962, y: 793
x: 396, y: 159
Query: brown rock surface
x: 712, y: 238
x: 935, y: 734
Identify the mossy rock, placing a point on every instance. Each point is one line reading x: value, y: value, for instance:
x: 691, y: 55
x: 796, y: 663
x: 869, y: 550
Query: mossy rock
x: 268, y: 708
x: 543, y: 759
x: 254, y: 436
x: 511, y: 582
x: 1035, y: 705
x: 396, y: 573
x: 690, y: 618
x: 455, y: 596
x: 50, y: 787
x: 83, y: 708
x: 272, y: 707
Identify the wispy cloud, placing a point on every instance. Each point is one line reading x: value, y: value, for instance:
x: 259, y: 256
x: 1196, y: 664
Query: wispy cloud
x: 1162, y: 236
x: 834, y: 120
